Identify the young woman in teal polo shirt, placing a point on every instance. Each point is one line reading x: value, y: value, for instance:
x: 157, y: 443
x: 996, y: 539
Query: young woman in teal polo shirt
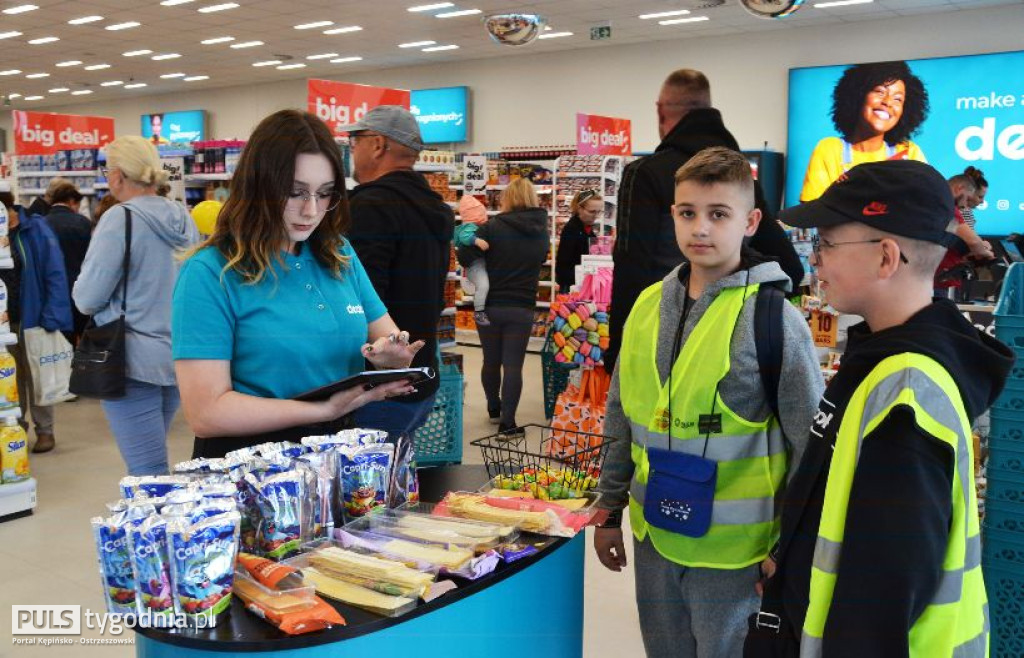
x: 276, y: 302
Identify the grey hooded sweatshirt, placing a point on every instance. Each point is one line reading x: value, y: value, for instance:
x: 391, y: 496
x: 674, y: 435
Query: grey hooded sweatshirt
x: 161, y: 229
x: 801, y: 383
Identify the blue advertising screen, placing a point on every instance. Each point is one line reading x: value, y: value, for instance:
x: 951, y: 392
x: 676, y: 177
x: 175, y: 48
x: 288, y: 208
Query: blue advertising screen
x: 975, y: 118
x: 170, y: 127
x: 443, y: 114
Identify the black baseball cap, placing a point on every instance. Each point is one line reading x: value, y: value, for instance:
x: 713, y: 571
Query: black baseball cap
x: 903, y: 197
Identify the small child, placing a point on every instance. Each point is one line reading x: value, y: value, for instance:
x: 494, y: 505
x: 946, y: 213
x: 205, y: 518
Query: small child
x: 701, y: 456
x: 469, y: 249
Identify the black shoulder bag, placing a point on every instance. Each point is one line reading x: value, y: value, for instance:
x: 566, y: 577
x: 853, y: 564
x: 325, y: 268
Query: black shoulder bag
x: 98, y: 366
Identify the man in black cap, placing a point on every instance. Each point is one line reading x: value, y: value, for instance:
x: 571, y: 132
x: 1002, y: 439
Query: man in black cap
x: 401, y: 231
x: 880, y: 550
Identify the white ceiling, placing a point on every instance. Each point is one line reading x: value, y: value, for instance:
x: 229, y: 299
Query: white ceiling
x: 385, y: 23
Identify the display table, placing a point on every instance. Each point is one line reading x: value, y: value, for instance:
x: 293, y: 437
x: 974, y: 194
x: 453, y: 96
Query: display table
x: 533, y: 606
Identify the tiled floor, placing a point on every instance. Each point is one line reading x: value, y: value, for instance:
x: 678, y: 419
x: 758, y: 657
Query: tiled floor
x: 49, y: 558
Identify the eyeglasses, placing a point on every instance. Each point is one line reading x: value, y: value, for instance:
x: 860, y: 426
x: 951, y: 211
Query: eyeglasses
x: 818, y: 242
x: 353, y: 137
x: 325, y: 201
x: 585, y: 195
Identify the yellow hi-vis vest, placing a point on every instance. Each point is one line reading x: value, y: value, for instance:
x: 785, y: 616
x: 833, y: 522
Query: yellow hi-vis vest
x: 751, y: 456
x: 955, y: 622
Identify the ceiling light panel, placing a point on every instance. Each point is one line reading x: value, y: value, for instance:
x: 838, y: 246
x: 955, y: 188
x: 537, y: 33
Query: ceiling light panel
x: 136, y: 53
x: 841, y: 3
x: 433, y: 7
x: 313, y: 26
x: 346, y: 60
x: 112, y: 83
x: 680, y: 21
x: 554, y: 35
x: 210, y: 42
x: 459, y: 13
x: 20, y: 9
x: 97, y: 67
x: 85, y: 19
x: 170, y: 76
x: 269, y: 62
x: 288, y: 67
x: 59, y: 90
x: 246, y: 44
x: 322, y: 56
x: 117, y: 27
x: 221, y: 7
x: 41, y: 40
x: 34, y: 98
x: 70, y: 62
x: 435, y: 49
x: 10, y: 34
x: 81, y: 92
x: 160, y: 58
x: 664, y: 14
x: 10, y: 72
x: 343, y: 30
x: 416, y: 44
x: 136, y: 85
x: 34, y: 76
x: 196, y: 78
x: 173, y: 3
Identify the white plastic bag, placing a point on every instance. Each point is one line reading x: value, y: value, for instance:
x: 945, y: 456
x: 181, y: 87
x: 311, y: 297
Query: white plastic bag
x: 49, y: 358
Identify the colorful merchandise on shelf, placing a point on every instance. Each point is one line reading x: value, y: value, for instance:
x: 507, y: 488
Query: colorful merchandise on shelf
x: 8, y: 382
x: 580, y: 330
x: 13, y: 451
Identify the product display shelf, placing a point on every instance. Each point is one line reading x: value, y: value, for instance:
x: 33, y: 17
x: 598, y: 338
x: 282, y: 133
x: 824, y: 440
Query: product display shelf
x: 9, y: 338
x: 206, y: 178
x: 54, y: 174
x: 571, y: 173
x: 17, y: 499
x: 38, y: 191
x: 435, y: 168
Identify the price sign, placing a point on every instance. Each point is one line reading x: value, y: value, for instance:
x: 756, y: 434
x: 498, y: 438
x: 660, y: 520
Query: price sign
x: 475, y: 174
x: 824, y: 328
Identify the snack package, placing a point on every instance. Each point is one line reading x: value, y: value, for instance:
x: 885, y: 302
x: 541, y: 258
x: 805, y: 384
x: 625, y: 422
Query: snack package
x: 147, y: 543
x: 325, y: 467
x: 281, y: 499
x: 294, y: 611
x: 13, y: 452
x: 270, y: 574
x: 8, y: 381
x: 405, y: 484
x: 284, y: 448
x: 345, y: 439
x: 202, y: 557
x: 365, y: 473
x: 154, y: 486
x: 111, y: 537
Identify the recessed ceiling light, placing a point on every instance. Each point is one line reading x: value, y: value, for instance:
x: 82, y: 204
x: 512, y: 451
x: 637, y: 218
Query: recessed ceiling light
x: 416, y: 44
x: 460, y: 12
x: 9, y: 35
x: 41, y: 40
x: 70, y: 62
x: 841, y: 3
x: 122, y: 26
x: 158, y: 58
x: 311, y: 26
x: 196, y: 78
x: 20, y: 9
x: 322, y: 56
x: 136, y: 85
x: 85, y: 19
x: 247, y: 44
x: 13, y: 95
x: 346, y: 60
x: 343, y: 30
x: 33, y: 76
x: 59, y: 90
x: 440, y: 48
x: 168, y: 76
x: 554, y: 35
x: 220, y: 7
x: 10, y: 72
x: 33, y: 98
x: 112, y: 83
x: 97, y: 67
x: 679, y: 21
x: 81, y: 92
x: 286, y: 67
x: 171, y: 3
x: 664, y: 14
x: 269, y: 62
x: 136, y: 53
x: 210, y: 42
x: 436, y: 5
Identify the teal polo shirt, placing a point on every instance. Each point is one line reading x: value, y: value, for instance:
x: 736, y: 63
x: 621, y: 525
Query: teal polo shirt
x: 297, y: 329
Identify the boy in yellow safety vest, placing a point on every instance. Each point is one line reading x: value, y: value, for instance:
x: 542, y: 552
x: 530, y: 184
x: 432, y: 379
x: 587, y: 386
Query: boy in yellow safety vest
x: 880, y: 550
x: 702, y: 457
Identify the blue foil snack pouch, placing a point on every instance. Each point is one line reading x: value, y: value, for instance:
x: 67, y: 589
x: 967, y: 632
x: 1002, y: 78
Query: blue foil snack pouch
x: 365, y: 475
x: 202, y: 558
x: 147, y: 541
x: 279, y: 499
x: 111, y: 537
x: 154, y: 486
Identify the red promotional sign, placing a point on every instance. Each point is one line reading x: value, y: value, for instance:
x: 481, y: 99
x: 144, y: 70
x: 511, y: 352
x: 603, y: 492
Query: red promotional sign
x: 342, y: 103
x: 597, y: 135
x: 43, y: 133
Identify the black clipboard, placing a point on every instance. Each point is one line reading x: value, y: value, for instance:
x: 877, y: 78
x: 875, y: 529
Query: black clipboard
x: 369, y: 378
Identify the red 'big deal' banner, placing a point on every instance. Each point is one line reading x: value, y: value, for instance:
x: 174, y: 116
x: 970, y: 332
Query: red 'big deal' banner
x: 342, y: 103
x: 598, y: 135
x: 43, y: 133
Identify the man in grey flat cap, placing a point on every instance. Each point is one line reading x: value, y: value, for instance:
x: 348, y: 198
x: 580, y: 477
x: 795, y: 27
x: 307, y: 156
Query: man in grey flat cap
x: 401, y: 231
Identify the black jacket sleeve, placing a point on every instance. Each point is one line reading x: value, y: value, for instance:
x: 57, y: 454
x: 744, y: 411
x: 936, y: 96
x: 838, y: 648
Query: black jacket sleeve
x: 897, y: 530
x: 571, y: 246
x: 375, y: 233
x: 772, y: 241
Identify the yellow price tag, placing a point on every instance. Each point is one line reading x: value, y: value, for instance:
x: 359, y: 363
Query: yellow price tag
x: 824, y: 328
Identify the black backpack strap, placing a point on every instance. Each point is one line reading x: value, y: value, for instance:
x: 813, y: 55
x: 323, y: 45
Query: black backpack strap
x: 768, y: 339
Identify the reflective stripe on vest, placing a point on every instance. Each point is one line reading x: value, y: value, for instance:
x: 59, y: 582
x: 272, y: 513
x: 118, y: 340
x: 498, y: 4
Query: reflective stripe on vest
x: 955, y: 621
x: 751, y: 456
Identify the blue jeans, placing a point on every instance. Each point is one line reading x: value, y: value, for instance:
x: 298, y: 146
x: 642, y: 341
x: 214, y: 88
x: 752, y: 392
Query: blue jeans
x: 395, y: 417
x: 139, y: 422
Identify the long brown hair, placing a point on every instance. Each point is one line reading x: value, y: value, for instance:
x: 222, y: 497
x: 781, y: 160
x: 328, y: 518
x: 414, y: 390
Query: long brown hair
x: 250, y: 227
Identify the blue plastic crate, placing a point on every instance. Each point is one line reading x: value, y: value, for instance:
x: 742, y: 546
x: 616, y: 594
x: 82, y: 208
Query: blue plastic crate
x: 1005, y: 589
x: 1004, y: 517
x: 1009, y: 313
x: 1003, y: 549
x: 1012, y: 398
x: 1006, y: 458
x: 439, y: 440
x: 1005, y: 429
x: 1005, y: 488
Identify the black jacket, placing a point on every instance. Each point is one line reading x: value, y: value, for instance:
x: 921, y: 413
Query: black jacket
x: 519, y: 245
x: 645, y: 246
x: 897, y: 522
x: 402, y: 232
x: 573, y: 244
x: 73, y: 231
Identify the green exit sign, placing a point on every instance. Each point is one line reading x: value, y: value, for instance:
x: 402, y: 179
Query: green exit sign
x: 600, y: 32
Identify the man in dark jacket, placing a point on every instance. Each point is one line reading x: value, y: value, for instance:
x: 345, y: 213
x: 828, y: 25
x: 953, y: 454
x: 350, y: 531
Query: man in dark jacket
x: 73, y: 232
x: 402, y: 232
x: 645, y: 246
x: 37, y: 296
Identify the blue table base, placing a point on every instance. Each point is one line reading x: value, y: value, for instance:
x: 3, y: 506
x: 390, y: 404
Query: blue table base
x: 537, y: 612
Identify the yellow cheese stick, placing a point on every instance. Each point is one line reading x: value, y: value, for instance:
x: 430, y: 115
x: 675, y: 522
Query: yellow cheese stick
x: 354, y: 594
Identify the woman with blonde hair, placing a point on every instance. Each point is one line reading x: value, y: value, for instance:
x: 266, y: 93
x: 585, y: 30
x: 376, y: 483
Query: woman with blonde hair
x: 158, y: 230
x: 276, y: 303
x: 518, y: 244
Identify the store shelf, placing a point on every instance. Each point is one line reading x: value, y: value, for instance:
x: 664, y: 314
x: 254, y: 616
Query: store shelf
x: 448, y: 311
x: 101, y: 186
x: 7, y: 264
x: 53, y: 174
x: 206, y: 178
x: 434, y: 167
x: 17, y: 497
x: 11, y: 413
x: 452, y: 276
x: 87, y: 191
x: 446, y: 344
x: 584, y: 174
x: 10, y: 338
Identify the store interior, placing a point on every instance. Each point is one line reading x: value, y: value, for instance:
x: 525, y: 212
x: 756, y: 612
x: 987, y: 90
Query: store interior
x: 522, y: 103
